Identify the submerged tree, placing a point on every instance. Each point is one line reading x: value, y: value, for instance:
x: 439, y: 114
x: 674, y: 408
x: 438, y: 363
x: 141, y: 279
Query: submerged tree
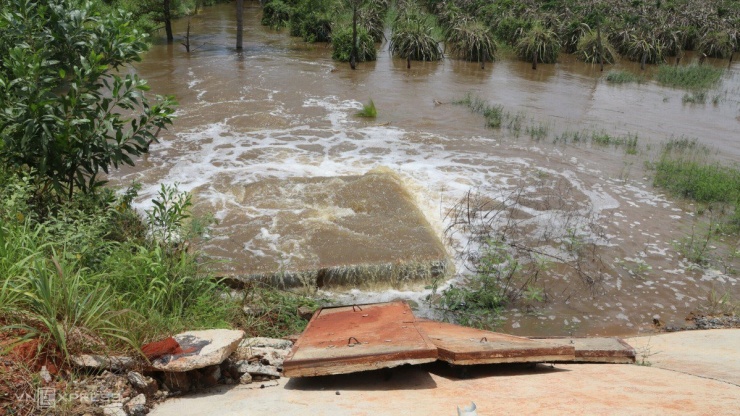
x: 66, y: 115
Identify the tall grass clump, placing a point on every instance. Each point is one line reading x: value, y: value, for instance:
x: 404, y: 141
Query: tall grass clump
x: 78, y: 283
x: 692, y: 77
x: 622, y: 77
x: 539, y: 42
x: 368, y: 110
x: 684, y: 171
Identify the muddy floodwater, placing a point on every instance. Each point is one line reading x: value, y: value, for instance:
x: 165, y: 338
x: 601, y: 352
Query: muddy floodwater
x: 254, y: 128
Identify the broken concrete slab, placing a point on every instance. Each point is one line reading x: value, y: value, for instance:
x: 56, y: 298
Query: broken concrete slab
x: 104, y: 362
x: 356, y: 338
x: 596, y: 349
x: 200, y: 349
x: 306, y: 231
x: 465, y: 346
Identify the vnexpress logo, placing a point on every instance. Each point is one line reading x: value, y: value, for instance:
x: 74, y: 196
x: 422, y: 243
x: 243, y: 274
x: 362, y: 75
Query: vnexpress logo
x: 46, y: 397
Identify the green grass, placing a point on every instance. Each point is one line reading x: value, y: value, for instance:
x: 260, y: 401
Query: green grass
x: 691, y: 77
x: 67, y: 283
x: 622, y: 77
x: 368, y: 110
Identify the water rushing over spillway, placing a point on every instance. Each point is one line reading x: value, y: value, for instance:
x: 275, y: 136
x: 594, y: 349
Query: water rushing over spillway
x: 267, y: 140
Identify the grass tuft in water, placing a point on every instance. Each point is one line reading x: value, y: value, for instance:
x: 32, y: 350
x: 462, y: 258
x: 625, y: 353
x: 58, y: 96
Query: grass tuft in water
x: 692, y: 77
x: 368, y: 110
x: 622, y: 77
x: 696, y: 97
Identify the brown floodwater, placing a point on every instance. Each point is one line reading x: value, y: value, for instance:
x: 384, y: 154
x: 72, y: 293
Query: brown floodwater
x: 282, y: 111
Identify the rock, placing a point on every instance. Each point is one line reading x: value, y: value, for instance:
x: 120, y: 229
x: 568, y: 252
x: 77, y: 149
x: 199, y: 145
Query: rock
x: 263, y: 342
x: 256, y: 369
x: 177, y: 381
x: 141, y: 383
x: 45, y: 375
x: 200, y: 349
x: 114, y: 409
x: 103, y: 362
x: 305, y: 312
x: 246, y: 378
x: 136, y: 406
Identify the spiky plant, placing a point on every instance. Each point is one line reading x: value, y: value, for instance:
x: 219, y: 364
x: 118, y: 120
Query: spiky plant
x: 539, y: 41
x: 472, y: 41
x: 341, y: 43
x: 589, y: 50
x: 412, y: 38
x: 718, y: 44
x: 372, y: 18
x: 645, y: 47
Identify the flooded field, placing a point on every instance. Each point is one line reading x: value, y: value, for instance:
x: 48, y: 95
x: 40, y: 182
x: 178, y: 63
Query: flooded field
x: 281, y: 112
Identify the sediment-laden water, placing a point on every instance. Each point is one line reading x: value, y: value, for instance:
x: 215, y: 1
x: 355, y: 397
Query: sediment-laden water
x: 282, y: 109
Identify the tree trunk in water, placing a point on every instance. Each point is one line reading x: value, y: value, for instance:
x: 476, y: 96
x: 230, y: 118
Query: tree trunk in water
x: 534, y: 61
x: 601, y: 47
x: 408, y: 62
x: 642, y: 62
x: 353, y: 53
x: 168, y: 21
x: 732, y: 55
x: 187, y: 38
x: 239, y: 23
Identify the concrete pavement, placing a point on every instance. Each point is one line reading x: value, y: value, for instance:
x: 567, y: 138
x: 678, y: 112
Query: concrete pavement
x: 696, y: 372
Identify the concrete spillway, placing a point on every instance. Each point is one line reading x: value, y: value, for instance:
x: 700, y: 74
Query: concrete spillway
x: 350, y: 231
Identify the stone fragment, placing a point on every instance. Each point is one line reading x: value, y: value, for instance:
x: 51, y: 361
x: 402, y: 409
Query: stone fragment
x: 103, y: 362
x: 143, y: 384
x: 246, y: 378
x: 114, y: 409
x: 200, y: 349
x: 136, y: 406
x: 256, y: 369
x: 264, y: 342
x: 45, y: 375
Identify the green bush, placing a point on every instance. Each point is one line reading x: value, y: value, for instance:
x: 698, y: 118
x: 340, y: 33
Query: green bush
x: 589, y: 49
x: 276, y: 14
x: 718, y: 44
x: 341, y: 44
x: 413, y: 38
x: 472, y: 41
x: 539, y: 40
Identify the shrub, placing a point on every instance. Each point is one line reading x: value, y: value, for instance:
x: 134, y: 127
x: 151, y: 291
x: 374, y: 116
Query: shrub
x: 412, y: 38
x: 588, y: 49
x: 718, y: 44
x: 539, y: 40
x: 341, y: 43
x: 276, y: 14
x: 644, y: 46
x: 472, y: 41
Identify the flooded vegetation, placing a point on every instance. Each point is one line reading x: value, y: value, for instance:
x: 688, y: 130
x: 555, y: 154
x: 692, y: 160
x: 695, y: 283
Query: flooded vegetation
x: 558, y: 167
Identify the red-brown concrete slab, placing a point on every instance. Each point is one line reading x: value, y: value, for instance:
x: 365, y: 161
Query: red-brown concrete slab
x: 597, y: 349
x: 348, y: 339
x: 464, y: 346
